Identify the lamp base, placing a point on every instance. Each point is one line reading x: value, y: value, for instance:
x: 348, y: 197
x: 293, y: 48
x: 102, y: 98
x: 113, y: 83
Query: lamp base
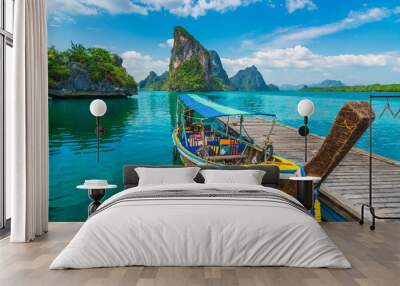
x: 95, y: 195
x: 100, y: 131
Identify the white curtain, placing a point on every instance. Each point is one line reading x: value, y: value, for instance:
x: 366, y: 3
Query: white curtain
x: 27, y: 124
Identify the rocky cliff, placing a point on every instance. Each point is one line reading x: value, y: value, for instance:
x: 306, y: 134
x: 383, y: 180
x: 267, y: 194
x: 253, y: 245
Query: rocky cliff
x: 88, y: 72
x: 217, y: 70
x: 192, y: 67
x: 250, y: 79
x: 153, y: 82
x: 189, y: 66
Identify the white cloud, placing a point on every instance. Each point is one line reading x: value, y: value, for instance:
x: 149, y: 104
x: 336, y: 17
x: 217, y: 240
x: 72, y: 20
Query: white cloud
x: 271, y: 4
x: 353, y: 20
x: 293, y: 5
x: 397, y: 10
x: 168, y: 43
x: 118, y: 6
x: 94, y: 7
x: 73, y: 6
x: 139, y: 65
x: 199, y: 8
x: 302, y: 58
x: 57, y: 15
x: 290, y: 36
x: 300, y: 65
x: 183, y: 8
x: 61, y: 11
x: 56, y: 19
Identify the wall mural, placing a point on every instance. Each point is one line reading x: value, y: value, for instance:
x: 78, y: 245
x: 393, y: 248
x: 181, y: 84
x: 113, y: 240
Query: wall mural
x: 171, y: 74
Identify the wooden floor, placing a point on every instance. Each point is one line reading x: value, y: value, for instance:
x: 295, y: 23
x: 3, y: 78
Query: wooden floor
x: 347, y: 186
x: 375, y: 257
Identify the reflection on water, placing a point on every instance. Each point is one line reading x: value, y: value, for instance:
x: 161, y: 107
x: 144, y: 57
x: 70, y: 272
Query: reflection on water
x: 70, y: 122
x: 138, y: 131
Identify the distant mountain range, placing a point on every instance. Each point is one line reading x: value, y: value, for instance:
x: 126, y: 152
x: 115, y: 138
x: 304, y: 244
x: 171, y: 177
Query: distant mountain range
x: 193, y: 68
x: 325, y: 83
x: 153, y: 82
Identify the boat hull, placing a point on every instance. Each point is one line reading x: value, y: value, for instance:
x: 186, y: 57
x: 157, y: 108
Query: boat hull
x: 189, y: 159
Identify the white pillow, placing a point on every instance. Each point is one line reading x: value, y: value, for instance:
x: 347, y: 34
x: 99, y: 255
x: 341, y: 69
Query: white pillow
x: 244, y: 177
x: 166, y: 176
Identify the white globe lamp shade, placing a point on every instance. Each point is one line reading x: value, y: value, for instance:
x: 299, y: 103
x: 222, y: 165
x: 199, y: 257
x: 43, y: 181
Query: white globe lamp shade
x: 305, y: 107
x: 98, y: 108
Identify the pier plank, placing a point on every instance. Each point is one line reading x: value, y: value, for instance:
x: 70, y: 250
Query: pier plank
x: 347, y: 185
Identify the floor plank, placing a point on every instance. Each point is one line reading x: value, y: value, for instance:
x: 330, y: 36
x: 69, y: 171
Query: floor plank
x: 374, y: 255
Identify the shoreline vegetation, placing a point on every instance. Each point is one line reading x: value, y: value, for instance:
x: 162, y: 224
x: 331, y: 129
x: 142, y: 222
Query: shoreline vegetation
x: 356, y: 88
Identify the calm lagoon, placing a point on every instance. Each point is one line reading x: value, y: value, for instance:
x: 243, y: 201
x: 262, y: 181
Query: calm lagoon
x: 138, y: 131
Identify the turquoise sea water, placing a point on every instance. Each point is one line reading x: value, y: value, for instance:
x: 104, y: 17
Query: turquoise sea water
x: 138, y: 131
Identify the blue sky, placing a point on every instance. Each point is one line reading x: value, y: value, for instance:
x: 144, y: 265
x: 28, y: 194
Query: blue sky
x: 290, y: 41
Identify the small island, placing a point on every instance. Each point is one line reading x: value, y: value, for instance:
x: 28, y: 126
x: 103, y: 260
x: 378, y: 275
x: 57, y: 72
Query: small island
x: 81, y: 72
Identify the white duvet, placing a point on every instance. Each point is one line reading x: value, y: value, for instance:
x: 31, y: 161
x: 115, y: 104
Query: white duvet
x: 206, y: 231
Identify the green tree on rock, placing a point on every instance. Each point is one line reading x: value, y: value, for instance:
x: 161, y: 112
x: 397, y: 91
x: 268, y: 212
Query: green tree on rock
x: 100, y: 64
x: 189, y: 76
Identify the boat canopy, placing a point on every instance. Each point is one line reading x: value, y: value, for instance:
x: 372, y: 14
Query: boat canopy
x: 209, y: 109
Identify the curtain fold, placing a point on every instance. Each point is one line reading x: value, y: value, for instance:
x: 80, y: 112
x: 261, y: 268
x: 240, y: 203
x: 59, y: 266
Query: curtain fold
x: 27, y: 124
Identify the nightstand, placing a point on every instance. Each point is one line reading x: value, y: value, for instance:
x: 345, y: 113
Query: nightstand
x: 305, y: 188
x: 96, y: 191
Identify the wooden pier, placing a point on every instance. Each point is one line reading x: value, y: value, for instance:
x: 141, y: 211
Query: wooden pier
x: 346, y: 188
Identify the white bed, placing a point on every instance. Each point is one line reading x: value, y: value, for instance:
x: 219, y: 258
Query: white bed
x: 202, y: 231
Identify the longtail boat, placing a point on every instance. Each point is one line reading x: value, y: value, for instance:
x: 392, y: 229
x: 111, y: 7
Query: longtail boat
x: 203, y: 136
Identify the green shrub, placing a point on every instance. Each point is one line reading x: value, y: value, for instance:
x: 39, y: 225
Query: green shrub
x: 99, y: 63
x: 58, y: 67
x: 189, y: 76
